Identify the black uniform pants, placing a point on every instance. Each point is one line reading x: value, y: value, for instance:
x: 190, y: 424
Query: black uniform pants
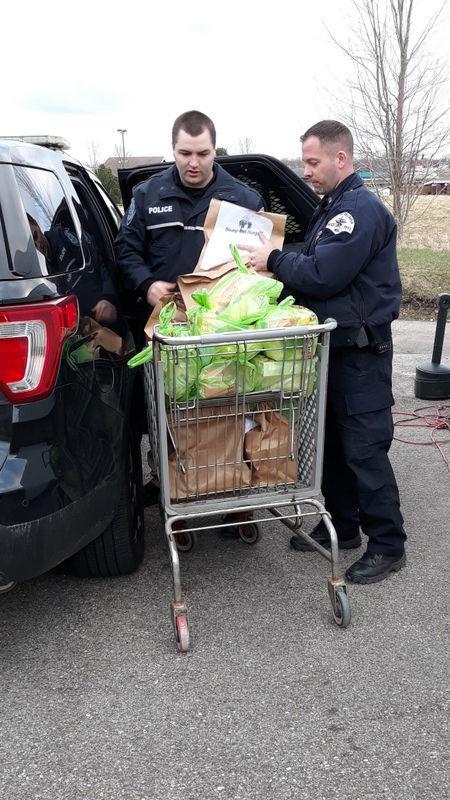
x: 358, y: 484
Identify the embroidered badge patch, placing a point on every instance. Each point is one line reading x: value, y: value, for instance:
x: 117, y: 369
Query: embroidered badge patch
x: 343, y: 223
x: 131, y: 211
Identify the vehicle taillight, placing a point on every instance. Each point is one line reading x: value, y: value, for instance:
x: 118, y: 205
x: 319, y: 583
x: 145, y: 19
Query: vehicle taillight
x: 31, y: 338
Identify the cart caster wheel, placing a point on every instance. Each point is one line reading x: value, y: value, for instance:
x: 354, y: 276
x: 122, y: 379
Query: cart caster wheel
x: 184, y: 540
x: 249, y: 533
x: 342, y: 612
x: 182, y: 633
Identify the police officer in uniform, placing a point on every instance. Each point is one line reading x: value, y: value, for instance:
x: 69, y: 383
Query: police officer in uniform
x: 348, y: 270
x: 162, y: 234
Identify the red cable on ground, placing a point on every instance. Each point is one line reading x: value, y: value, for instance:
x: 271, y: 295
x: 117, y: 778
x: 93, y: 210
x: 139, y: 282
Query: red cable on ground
x: 437, y: 421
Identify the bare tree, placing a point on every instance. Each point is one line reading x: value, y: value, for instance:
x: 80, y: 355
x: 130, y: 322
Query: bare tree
x: 94, y: 159
x: 245, y: 145
x: 397, y: 110
x: 122, y: 155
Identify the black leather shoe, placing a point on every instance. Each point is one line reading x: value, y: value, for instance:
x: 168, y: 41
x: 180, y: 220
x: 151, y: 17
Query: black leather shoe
x: 320, y: 535
x: 373, y: 567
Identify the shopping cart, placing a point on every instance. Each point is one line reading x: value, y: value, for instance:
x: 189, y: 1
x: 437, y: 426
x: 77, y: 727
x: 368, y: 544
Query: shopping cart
x: 236, y: 426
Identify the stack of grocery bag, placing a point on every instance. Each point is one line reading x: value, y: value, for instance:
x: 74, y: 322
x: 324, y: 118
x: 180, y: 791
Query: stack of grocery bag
x: 201, y: 462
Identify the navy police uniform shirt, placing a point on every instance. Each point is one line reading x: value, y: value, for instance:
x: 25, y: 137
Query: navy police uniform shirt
x: 162, y: 233
x: 348, y: 268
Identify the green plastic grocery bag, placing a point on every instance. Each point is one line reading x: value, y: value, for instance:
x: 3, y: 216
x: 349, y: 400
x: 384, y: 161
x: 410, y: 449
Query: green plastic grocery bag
x: 285, y: 315
x: 292, y: 377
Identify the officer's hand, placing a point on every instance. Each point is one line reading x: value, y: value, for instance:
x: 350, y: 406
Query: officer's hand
x: 157, y: 290
x: 260, y: 253
x: 104, y: 311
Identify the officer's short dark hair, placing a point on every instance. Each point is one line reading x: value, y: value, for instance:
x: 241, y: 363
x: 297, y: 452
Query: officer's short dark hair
x: 331, y: 131
x: 194, y: 123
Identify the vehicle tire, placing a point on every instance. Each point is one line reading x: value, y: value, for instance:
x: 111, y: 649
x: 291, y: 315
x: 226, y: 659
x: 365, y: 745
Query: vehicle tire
x: 120, y: 548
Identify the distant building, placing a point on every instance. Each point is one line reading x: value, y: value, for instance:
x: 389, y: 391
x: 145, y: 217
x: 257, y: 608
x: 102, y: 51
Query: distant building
x: 116, y: 162
x: 440, y: 185
x: 369, y: 178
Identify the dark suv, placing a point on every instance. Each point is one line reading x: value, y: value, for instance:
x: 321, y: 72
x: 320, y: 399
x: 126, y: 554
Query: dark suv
x: 70, y: 462
x: 70, y: 409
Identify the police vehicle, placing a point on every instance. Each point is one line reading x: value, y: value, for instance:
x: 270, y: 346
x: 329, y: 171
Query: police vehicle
x: 70, y: 460
x: 70, y: 409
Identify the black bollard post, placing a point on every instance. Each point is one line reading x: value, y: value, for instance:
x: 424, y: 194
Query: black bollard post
x: 433, y: 378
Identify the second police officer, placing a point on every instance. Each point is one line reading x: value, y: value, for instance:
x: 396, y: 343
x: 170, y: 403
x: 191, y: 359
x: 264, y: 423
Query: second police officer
x: 348, y: 270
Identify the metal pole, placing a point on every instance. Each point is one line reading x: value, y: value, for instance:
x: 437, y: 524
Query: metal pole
x: 443, y: 306
x: 433, y: 378
x: 122, y: 131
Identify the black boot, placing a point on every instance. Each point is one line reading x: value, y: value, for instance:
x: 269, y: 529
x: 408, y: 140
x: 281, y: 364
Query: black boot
x: 374, y: 567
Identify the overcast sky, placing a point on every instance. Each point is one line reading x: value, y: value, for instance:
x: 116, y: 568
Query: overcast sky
x: 262, y: 72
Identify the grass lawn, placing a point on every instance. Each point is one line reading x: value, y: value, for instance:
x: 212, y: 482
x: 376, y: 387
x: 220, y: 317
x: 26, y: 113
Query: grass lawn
x: 425, y: 273
x: 424, y: 257
x: 428, y: 226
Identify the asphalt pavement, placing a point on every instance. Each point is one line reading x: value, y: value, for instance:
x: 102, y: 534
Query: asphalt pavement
x: 274, y: 701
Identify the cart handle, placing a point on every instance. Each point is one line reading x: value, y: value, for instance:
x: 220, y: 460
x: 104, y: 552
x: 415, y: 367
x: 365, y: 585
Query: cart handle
x: 294, y: 332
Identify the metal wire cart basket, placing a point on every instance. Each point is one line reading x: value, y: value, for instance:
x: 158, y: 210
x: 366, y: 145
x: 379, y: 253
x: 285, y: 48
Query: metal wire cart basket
x: 236, y: 426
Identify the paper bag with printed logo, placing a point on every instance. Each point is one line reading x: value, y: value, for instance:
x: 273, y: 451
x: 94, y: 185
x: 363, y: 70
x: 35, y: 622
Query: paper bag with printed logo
x: 225, y: 224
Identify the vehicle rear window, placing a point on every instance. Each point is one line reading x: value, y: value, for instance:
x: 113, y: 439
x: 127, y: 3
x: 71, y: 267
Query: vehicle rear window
x: 49, y: 217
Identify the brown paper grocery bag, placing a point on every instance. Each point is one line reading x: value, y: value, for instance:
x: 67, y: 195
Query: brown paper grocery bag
x: 268, y: 448
x: 188, y: 284
x: 209, y: 442
x: 179, y: 316
x: 101, y: 336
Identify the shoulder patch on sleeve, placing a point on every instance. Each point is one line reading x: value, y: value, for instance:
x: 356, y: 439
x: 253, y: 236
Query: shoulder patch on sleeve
x: 342, y: 223
x: 131, y: 211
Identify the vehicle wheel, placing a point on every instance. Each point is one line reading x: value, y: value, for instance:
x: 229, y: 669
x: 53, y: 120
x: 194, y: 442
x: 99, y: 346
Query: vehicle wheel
x: 120, y: 548
x: 342, y: 612
x: 249, y: 533
x: 182, y: 633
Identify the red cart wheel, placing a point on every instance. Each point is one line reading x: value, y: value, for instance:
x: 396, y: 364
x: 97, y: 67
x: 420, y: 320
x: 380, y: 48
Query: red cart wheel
x: 182, y: 629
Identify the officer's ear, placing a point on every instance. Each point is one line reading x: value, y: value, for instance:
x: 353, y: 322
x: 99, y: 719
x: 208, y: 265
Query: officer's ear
x: 342, y: 159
